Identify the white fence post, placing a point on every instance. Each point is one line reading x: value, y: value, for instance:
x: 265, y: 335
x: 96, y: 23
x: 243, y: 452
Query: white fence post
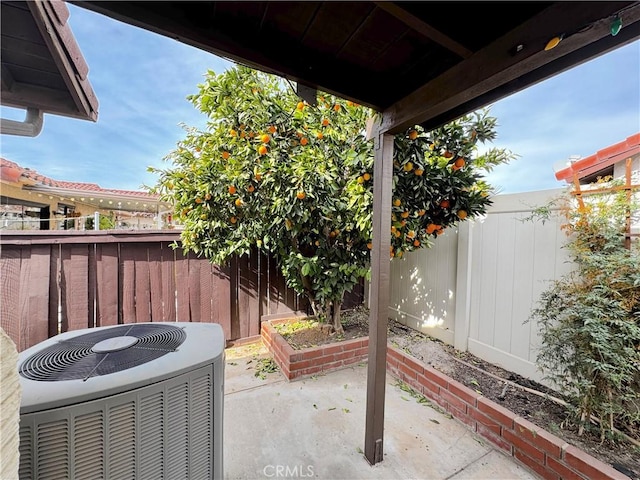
x: 463, y: 286
x: 96, y: 220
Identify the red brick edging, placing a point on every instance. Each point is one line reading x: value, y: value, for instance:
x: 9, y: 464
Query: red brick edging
x: 309, y: 361
x: 543, y: 453
x: 540, y: 451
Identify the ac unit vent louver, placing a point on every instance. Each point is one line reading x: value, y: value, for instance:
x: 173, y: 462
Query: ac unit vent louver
x: 131, y: 402
x: 102, y: 352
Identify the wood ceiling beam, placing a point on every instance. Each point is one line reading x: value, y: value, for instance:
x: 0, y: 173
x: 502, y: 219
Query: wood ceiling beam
x: 424, y: 28
x: 500, y: 62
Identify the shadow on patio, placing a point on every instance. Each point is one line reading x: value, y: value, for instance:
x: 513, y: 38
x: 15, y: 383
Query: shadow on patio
x: 314, y: 428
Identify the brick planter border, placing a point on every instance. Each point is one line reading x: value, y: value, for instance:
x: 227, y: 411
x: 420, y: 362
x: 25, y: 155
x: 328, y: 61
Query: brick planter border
x: 309, y: 361
x: 538, y: 450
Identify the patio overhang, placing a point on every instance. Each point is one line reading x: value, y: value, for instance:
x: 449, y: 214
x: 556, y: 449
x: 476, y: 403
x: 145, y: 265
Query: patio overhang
x: 43, y: 70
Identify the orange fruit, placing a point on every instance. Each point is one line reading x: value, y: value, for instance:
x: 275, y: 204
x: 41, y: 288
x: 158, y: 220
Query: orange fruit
x: 233, y: 219
x: 301, y: 195
x: 336, y: 107
x: 404, y: 214
x: 421, y: 212
x: 243, y: 134
x: 431, y: 228
x: 369, y: 245
x: 397, y: 202
x: 262, y: 150
x: 408, y: 167
x: 320, y: 135
x: 300, y: 105
x: 366, y: 177
x: 445, y: 204
x: 397, y: 233
x: 448, y: 154
x: 238, y: 202
x: 304, y: 141
x: 393, y: 229
x: 265, y: 138
x: 251, y: 188
x: 272, y: 129
x: 207, y: 196
x: 462, y: 214
x: 419, y: 172
x: 198, y: 200
x: 459, y: 163
x: 233, y: 133
x: 416, y: 243
x: 225, y: 155
x: 325, y: 122
x: 440, y: 232
x: 232, y: 189
x: 350, y: 103
x: 411, y: 234
x: 413, y: 134
x: 360, y: 179
x: 258, y: 177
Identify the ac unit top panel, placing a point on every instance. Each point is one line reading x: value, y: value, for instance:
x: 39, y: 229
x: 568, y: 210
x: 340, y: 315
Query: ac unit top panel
x: 92, y: 363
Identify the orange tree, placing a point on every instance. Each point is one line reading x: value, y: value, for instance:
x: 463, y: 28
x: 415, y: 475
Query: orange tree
x: 295, y: 180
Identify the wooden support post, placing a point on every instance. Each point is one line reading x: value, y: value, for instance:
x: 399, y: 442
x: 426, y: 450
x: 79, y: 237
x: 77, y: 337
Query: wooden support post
x: 379, y: 295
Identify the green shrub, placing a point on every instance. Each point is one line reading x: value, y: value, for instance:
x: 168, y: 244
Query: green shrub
x: 589, y: 320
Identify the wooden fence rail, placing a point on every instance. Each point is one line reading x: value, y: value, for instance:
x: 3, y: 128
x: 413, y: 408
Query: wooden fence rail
x: 54, y: 282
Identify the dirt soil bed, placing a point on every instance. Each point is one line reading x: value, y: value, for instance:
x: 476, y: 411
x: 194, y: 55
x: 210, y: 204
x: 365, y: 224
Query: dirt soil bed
x: 497, y: 384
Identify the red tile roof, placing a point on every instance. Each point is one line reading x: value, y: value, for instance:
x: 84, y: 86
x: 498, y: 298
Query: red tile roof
x: 601, y: 159
x: 12, y: 172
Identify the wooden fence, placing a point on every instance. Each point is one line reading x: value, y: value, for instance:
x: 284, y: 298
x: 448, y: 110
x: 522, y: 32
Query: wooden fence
x: 53, y: 282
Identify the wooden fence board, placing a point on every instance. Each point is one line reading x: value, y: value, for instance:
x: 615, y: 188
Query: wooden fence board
x: 143, y: 289
x: 156, y: 284
x: 75, y: 286
x: 168, y: 263
x: 127, y: 284
x: 93, y: 280
x: 244, y: 296
x: 206, y: 292
x: 10, y: 282
x: 193, y: 281
x: 55, y: 269
x: 221, y: 299
x: 23, y: 295
x: 38, y: 291
x: 233, y: 307
x: 107, y: 275
x: 182, y: 287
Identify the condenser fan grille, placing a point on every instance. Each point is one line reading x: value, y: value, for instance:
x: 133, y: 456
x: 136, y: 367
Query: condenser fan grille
x: 116, y: 349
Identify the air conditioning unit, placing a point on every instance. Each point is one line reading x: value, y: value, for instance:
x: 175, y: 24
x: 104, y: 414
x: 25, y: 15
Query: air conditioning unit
x: 137, y: 401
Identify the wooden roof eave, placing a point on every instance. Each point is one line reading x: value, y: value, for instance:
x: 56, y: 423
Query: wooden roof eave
x: 499, y: 65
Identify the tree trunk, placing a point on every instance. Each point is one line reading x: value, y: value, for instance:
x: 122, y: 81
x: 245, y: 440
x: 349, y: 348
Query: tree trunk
x: 335, y: 315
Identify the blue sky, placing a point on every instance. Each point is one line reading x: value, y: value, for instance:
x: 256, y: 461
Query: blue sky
x: 142, y: 80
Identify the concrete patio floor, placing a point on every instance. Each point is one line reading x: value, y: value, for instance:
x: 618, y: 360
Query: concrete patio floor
x: 314, y: 428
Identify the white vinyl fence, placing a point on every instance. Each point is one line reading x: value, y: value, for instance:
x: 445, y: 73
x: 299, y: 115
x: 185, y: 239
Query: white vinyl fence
x: 476, y: 287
